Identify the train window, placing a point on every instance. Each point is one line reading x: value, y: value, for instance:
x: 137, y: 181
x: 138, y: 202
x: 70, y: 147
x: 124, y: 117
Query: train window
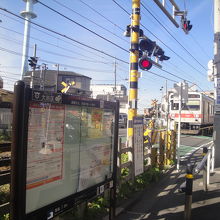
x: 192, y: 105
x: 194, y: 96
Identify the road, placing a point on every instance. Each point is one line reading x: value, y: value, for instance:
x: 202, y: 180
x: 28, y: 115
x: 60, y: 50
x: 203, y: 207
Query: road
x: 189, y: 143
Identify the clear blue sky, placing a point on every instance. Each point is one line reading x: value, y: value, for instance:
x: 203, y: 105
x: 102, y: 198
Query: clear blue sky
x: 54, y: 49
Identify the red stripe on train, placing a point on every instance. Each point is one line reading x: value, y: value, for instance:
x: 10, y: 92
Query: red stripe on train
x: 176, y: 115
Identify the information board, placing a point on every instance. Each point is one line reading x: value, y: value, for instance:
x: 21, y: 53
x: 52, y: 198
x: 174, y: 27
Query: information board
x: 138, y: 145
x: 69, y: 148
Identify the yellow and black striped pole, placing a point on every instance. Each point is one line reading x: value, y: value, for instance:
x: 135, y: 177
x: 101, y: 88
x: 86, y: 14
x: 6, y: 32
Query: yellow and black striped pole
x: 133, y: 77
x: 188, y: 192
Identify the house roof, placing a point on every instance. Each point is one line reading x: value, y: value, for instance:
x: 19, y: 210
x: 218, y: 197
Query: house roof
x: 61, y: 73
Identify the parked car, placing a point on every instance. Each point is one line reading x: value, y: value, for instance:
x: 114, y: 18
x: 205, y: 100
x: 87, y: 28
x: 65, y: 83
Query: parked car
x: 122, y: 120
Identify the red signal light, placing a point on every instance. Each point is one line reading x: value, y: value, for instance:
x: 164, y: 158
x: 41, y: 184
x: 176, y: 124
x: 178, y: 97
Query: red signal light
x: 145, y: 63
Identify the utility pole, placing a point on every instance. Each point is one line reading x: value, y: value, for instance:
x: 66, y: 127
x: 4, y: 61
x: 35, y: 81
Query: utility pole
x: 58, y: 71
x: 133, y: 76
x: 179, y: 127
x: 167, y: 107
x: 28, y: 14
x: 217, y: 72
x: 115, y: 75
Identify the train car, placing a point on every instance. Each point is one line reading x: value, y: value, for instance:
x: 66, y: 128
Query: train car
x: 6, y: 99
x: 197, y: 113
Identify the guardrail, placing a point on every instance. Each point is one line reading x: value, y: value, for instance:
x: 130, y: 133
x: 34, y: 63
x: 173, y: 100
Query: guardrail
x: 207, y: 165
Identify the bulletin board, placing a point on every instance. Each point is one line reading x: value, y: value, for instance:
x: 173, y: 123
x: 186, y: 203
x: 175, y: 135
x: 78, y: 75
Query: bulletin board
x: 69, y: 151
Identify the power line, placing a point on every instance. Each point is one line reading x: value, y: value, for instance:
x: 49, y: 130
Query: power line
x: 101, y: 15
x: 162, y: 76
x: 53, y: 53
x: 51, y: 62
x: 64, y: 36
x: 82, y: 26
x: 54, y: 45
x: 72, y: 40
x: 121, y: 7
x: 172, y: 35
x: 164, y: 43
x: 90, y: 20
x: 199, y: 45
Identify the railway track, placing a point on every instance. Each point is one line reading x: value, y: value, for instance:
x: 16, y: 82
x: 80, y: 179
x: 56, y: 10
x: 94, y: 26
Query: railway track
x: 5, y: 147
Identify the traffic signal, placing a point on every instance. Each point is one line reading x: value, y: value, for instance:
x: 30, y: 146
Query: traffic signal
x: 147, y: 45
x: 158, y: 52
x: 145, y: 63
x: 186, y: 25
x: 33, y: 62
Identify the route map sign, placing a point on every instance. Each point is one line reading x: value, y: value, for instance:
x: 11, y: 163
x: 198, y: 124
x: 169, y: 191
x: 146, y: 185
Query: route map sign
x: 69, y: 152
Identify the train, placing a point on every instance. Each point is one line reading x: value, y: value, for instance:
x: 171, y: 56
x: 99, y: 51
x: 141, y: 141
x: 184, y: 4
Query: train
x: 197, y: 113
x: 6, y: 99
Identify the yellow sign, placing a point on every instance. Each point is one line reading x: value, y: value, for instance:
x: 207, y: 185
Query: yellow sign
x: 67, y: 86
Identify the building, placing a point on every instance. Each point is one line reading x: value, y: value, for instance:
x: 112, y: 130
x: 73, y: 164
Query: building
x: 117, y: 91
x: 50, y: 80
x: 110, y: 92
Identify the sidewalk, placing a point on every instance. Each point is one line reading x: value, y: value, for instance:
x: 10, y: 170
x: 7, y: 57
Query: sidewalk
x: 163, y: 201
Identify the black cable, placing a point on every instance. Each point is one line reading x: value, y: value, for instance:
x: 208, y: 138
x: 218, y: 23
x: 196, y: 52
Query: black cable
x: 51, y: 36
x: 121, y: 7
x: 172, y: 35
x: 51, y: 62
x: 162, y: 76
x: 54, y: 53
x: 90, y: 21
x: 54, y: 45
x: 82, y: 26
x: 164, y: 43
x: 62, y: 35
x: 74, y: 41
x: 201, y: 48
x: 102, y: 15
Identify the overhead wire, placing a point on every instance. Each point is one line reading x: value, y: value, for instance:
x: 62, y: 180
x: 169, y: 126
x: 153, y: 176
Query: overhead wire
x: 63, y: 35
x: 199, y: 45
x: 86, y: 18
x: 54, y: 62
x: 52, y: 52
x: 171, y: 35
x: 181, y: 58
x: 82, y: 26
x: 102, y: 15
x: 74, y: 40
x: 62, y: 55
x: 57, y: 38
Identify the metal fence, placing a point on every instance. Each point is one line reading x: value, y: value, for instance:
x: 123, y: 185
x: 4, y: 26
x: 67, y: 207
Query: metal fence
x: 207, y: 166
x: 159, y: 151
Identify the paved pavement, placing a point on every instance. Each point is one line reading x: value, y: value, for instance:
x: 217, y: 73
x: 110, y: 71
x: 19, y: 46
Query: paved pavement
x: 163, y: 201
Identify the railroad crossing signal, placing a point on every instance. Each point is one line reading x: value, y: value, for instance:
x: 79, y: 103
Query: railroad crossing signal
x: 67, y: 86
x: 33, y: 62
x: 149, y: 48
x: 154, y: 102
x: 186, y: 26
x: 145, y: 63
